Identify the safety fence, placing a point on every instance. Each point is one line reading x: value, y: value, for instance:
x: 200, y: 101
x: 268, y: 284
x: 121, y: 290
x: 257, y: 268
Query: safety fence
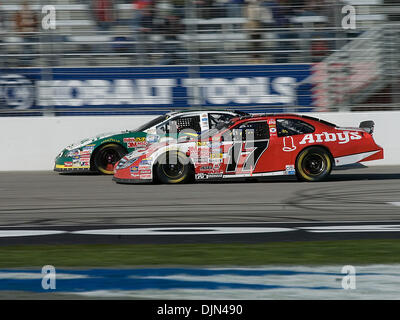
x: 75, y: 57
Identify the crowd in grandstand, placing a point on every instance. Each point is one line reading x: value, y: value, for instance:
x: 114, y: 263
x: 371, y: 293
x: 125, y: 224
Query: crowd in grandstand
x: 165, y: 18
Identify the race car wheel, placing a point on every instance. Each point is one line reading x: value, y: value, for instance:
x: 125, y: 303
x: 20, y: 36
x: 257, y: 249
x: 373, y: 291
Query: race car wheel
x: 173, y: 167
x: 313, y: 164
x: 106, y: 157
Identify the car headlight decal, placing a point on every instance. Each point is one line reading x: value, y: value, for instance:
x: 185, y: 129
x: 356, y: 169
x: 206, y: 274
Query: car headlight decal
x: 125, y: 163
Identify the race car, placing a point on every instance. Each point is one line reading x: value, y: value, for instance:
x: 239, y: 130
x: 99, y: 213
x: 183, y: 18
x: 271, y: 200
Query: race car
x: 101, y: 153
x: 253, y: 147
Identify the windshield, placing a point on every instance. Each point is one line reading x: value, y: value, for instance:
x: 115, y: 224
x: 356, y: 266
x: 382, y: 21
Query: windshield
x: 152, y: 123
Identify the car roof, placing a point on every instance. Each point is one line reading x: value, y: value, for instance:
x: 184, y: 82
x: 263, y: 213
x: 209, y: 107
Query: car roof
x: 198, y: 111
x: 283, y: 115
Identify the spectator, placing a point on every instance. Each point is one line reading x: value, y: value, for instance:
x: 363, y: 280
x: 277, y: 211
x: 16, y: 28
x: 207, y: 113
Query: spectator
x: 139, y: 6
x: 282, y: 12
x: 2, y: 33
x: 146, y: 29
x: 204, y: 8
x: 220, y: 8
x: 235, y: 8
x: 171, y: 48
x: 253, y: 26
x: 26, y: 23
x: 103, y: 13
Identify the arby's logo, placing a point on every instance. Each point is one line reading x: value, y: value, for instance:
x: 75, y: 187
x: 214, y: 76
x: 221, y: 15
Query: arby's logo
x: 341, y: 137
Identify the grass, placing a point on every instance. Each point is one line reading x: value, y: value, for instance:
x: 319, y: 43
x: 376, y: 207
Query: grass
x: 282, y: 253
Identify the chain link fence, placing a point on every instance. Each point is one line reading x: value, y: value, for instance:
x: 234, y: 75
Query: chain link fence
x: 350, y: 47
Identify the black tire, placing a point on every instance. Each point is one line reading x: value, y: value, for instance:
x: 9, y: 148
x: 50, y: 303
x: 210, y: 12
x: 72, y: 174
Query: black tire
x: 106, y: 157
x: 313, y: 164
x: 173, y: 167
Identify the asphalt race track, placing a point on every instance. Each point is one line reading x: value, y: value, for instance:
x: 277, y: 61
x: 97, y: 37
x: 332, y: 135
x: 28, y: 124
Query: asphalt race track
x: 359, y: 202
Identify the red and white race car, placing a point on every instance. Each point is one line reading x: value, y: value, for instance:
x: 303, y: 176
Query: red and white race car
x: 253, y: 147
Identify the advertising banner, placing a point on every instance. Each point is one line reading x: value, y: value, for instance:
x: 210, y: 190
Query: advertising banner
x: 155, y: 89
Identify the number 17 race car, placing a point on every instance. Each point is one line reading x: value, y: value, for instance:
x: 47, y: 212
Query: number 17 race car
x: 101, y: 153
x: 253, y: 147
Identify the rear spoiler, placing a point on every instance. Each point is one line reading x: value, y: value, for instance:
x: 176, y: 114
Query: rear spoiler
x: 367, y: 126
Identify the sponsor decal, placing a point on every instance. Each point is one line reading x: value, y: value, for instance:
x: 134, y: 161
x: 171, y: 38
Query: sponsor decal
x: 151, y: 138
x: 135, y: 142
x: 135, y: 169
x: 340, y: 137
x: 214, y: 175
x: 85, y: 153
x: 272, y: 129
x: 85, y: 160
x: 215, y: 155
x: 290, y: 169
x: 216, y: 166
x: 68, y: 164
x: 206, y: 168
x: 146, y: 171
x: 89, y: 148
x: 205, y: 176
x: 146, y: 176
x: 200, y: 176
x: 144, y: 167
x: 288, y: 144
x: 73, y: 153
x: 112, y: 140
x: 145, y: 162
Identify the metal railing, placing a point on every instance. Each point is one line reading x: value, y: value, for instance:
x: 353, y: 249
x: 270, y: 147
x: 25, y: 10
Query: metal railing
x: 189, y: 33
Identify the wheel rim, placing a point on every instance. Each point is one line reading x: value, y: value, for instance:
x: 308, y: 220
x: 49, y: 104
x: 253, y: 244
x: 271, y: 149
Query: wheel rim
x: 107, y: 160
x: 314, y: 164
x: 173, y: 171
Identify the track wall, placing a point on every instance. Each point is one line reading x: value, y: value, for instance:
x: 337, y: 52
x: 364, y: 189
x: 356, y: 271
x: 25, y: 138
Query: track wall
x: 29, y: 144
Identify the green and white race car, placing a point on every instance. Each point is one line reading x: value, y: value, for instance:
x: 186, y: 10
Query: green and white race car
x: 101, y: 153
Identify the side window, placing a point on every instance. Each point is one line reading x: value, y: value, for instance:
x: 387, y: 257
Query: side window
x: 290, y: 127
x: 182, y: 123
x: 252, y: 130
x: 215, y: 118
x: 192, y: 123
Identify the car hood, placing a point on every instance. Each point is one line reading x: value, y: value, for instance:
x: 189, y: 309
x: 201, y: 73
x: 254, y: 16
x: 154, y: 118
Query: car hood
x: 87, y: 141
x: 152, y: 148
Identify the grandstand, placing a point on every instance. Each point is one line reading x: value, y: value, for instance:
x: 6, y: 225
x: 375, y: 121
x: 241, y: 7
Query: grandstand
x: 221, y: 32
x: 267, y: 36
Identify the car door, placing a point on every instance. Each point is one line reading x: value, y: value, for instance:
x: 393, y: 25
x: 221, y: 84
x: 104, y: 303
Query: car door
x: 249, y: 142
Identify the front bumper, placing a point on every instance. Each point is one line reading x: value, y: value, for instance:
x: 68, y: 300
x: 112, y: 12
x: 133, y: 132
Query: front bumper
x: 65, y: 169
x: 131, y: 181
